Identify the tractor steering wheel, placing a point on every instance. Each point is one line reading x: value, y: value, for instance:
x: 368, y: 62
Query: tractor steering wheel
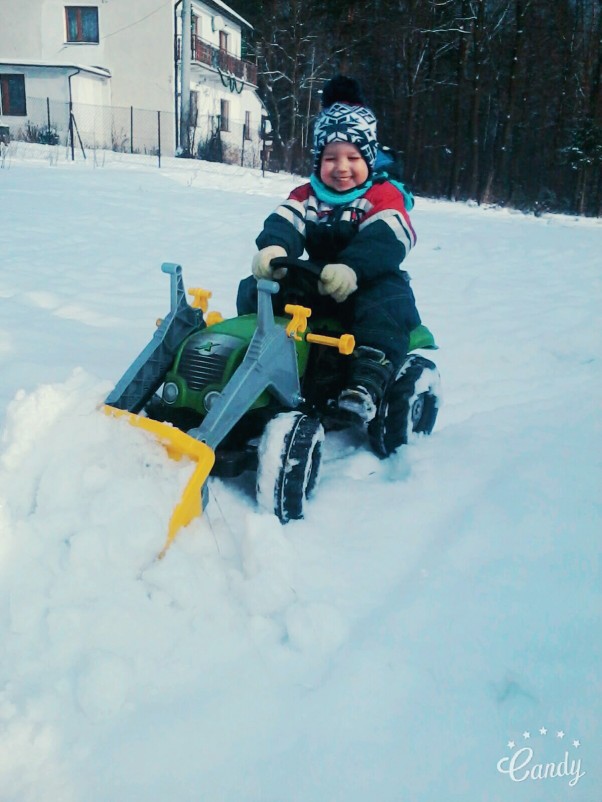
x: 301, y: 281
x: 297, y: 264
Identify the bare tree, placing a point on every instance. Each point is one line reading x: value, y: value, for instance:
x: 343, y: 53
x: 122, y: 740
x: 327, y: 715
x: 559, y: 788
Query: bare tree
x: 496, y: 100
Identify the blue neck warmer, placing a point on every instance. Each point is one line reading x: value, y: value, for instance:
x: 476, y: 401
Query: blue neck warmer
x: 334, y: 198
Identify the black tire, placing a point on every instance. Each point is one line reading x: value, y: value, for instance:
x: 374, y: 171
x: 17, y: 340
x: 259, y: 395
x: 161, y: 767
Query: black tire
x: 409, y: 406
x: 290, y: 454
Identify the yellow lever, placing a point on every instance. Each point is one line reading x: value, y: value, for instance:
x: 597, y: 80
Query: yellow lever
x: 298, y: 324
x: 345, y: 343
x: 200, y: 298
x: 211, y: 318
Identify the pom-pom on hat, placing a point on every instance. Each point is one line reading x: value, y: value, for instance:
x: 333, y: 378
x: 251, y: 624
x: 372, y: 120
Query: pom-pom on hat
x: 345, y: 118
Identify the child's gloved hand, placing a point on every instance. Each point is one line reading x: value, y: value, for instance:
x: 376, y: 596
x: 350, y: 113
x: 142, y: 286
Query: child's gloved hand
x: 338, y: 281
x: 261, y: 267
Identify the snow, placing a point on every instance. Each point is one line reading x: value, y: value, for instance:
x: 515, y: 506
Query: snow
x: 431, y: 608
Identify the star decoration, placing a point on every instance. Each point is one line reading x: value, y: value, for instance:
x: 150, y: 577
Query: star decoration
x: 526, y: 735
x: 576, y: 744
x: 560, y: 734
x: 511, y: 744
x: 543, y: 731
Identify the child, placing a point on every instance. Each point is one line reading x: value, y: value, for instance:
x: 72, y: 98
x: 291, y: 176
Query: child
x: 354, y: 224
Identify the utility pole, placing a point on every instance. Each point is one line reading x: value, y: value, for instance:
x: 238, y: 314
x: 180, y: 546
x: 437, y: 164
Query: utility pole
x: 185, y: 55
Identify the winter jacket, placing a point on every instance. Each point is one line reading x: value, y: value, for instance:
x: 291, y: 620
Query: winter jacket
x: 372, y: 233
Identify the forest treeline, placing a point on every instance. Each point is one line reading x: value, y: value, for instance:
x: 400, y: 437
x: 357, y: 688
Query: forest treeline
x: 499, y: 101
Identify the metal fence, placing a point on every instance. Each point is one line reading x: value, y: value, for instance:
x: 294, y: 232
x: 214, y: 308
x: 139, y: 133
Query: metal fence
x: 82, y: 127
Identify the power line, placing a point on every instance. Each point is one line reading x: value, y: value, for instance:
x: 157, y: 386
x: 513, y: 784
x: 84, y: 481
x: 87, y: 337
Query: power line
x: 138, y: 21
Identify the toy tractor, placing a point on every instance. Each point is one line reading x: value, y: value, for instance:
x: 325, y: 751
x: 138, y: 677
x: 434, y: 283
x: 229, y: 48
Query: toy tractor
x: 255, y: 392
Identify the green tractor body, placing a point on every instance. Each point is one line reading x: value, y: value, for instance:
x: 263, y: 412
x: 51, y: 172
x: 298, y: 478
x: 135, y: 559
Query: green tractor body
x: 207, y: 360
x: 239, y: 393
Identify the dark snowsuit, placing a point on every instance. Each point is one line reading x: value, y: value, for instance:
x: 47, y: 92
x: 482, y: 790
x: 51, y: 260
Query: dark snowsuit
x: 372, y: 234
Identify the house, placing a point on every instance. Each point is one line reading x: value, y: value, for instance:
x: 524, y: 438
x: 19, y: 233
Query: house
x: 107, y: 73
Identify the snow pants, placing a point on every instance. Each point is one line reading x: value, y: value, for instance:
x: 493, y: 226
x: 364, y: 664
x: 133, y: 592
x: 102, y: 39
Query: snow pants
x: 380, y: 313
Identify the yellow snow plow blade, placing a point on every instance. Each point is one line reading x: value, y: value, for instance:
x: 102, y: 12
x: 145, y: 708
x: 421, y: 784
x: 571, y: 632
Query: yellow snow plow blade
x: 178, y: 444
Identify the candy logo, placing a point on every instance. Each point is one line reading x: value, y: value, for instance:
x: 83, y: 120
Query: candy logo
x: 525, y: 762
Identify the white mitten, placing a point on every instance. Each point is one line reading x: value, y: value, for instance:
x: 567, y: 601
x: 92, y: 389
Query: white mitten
x: 261, y: 267
x: 338, y: 281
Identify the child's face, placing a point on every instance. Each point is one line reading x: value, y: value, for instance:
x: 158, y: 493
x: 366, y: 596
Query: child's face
x: 342, y: 166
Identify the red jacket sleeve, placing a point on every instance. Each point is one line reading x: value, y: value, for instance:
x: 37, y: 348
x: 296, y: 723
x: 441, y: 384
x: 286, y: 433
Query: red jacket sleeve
x: 385, y: 235
x: 286, y: 225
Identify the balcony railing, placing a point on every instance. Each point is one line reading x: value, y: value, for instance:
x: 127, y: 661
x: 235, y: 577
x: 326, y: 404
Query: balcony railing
x: 205, y: 53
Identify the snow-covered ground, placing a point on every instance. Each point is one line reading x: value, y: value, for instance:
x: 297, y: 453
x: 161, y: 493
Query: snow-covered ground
x: 435, y: 616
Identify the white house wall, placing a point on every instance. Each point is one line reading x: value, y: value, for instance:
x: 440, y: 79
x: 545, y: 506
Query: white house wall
x: 136, y: 48
x: 136, y: 44
x: 47, y: 100
x: 21, y: 29
x: 210, y: 97
x: 41, y: 82
x: 209, y: 94
x: 211, y: 21
x: 210, y: 90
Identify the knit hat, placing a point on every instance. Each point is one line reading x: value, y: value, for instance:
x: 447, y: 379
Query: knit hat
x: 345, y: 118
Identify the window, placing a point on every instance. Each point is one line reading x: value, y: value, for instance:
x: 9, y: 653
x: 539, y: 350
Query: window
x: 224, y: 120
x: 247, y: 125
x: 12, y: 95
x: 223, y: 41
x: 82, y: 23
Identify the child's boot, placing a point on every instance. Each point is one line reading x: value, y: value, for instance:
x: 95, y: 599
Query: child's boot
x: 370, y: 373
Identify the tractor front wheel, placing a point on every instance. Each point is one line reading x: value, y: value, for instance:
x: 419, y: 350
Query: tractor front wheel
x: 290, y: 453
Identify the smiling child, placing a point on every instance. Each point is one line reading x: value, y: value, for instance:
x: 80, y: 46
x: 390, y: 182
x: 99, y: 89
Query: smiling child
x: 354, y: 224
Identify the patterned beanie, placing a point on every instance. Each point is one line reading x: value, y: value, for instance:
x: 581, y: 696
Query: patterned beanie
x: 345, y: 118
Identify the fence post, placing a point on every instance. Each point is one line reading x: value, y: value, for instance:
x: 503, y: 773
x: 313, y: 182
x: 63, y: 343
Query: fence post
x: 159, y: 136
x: 131, y: 129
x: 48, y: 114
x: 71, y: 131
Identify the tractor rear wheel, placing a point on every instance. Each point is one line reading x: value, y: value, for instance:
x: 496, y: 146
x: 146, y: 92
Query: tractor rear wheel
x: 408, y: 407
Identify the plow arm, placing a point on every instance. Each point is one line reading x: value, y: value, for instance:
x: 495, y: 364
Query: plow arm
x: 146, y: 373
x: 269, y: 363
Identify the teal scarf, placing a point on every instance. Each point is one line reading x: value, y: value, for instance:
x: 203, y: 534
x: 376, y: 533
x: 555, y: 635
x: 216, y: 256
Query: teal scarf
x: 334, y: 198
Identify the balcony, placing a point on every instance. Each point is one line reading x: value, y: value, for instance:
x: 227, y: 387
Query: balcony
x: 203, y: 52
